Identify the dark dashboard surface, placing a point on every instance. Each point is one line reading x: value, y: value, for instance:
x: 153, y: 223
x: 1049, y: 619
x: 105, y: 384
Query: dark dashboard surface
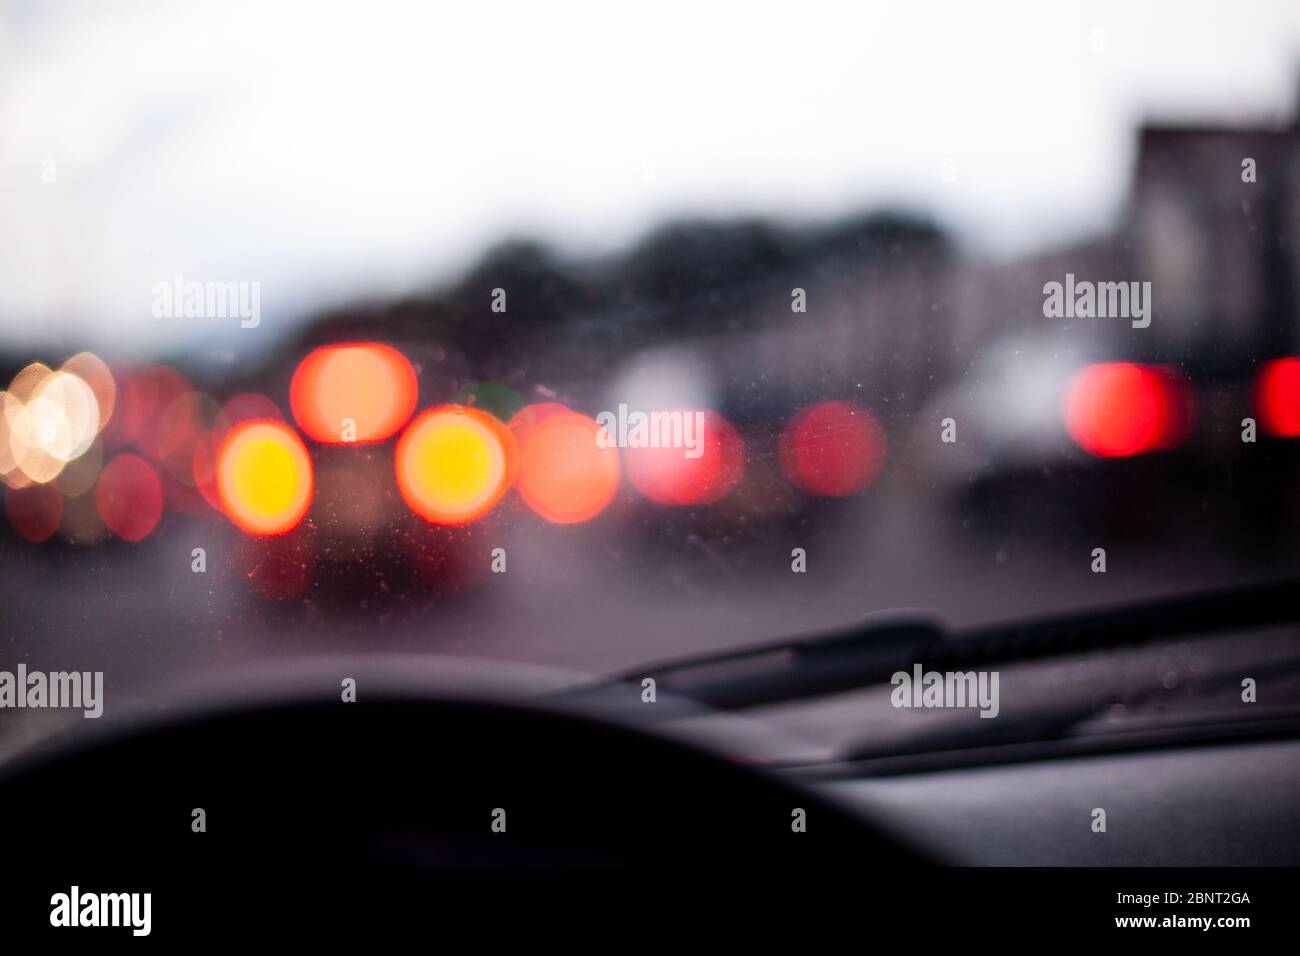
x: 1227, y: 805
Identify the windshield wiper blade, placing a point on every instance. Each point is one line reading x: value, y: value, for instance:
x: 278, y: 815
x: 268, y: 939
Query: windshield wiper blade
x: 1208, y: 612
x: 871, y: 652
x: 791, y: 669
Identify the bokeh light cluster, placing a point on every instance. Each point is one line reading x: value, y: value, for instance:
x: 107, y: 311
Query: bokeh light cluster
x: 91, y: 453
x: 88, y: 452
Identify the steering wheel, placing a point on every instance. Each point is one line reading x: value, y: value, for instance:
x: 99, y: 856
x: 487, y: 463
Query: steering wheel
x: 407, y: 780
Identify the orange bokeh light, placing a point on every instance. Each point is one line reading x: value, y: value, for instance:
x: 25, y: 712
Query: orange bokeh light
x: 264, y: 477
x: 1118, y: 409
x: 358, y: 393
x: 454, y: 463
x: 565, y: 475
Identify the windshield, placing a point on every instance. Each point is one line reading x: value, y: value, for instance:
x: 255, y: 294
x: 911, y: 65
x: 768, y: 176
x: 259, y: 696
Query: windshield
x: 559, y: 337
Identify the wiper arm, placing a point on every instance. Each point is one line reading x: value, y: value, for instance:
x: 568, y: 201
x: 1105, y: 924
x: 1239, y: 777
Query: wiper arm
x: 871, y: 652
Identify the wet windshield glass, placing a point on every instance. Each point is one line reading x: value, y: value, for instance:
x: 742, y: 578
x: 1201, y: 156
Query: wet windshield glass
x: 596, y: 339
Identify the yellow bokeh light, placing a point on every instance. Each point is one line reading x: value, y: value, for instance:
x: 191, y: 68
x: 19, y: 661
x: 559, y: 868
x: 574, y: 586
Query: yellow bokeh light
x: 454, y: 464
x: 264, y: 477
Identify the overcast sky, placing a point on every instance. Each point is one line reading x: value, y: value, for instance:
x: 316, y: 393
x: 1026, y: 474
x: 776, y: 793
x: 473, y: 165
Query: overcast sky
x: 326, y: 149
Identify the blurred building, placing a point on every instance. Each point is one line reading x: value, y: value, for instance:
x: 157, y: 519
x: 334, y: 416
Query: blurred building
x: 1222, y: 254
